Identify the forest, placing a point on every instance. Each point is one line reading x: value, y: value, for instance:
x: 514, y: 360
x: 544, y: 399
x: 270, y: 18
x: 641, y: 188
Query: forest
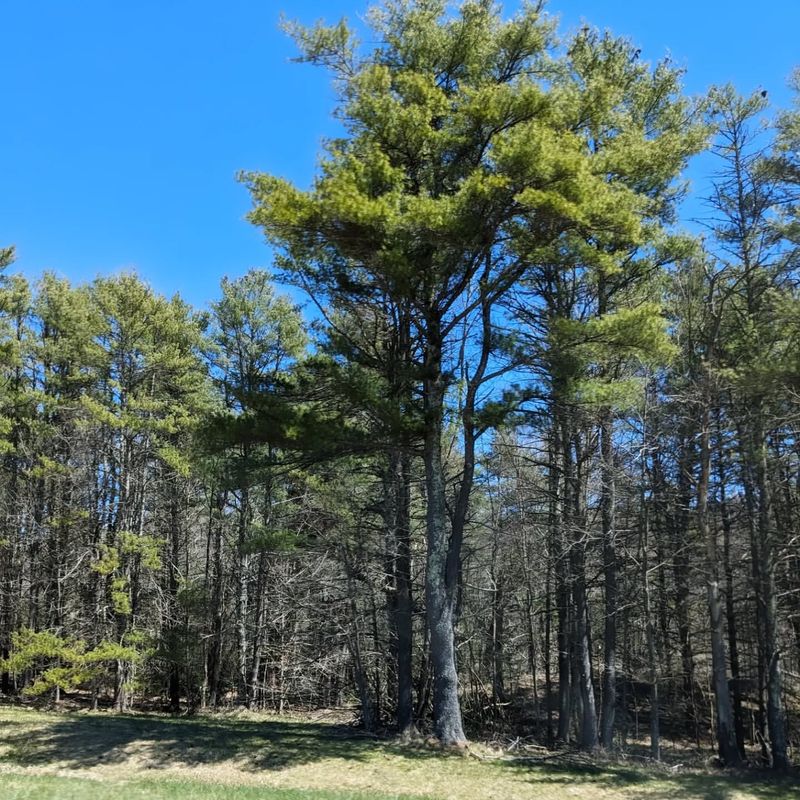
x: 503, y: 444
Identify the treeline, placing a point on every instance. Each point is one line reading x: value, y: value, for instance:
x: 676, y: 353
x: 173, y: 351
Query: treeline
x: 529, y: 462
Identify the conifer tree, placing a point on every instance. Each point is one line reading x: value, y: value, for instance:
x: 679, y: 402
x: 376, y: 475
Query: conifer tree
x: 460, y: 129
x: 257, y: 336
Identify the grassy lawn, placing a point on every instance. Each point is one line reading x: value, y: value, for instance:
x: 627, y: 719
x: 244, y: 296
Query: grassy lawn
x: 98, y: 756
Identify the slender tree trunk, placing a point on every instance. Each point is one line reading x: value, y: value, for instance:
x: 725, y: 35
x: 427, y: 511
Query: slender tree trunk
x: 680, y: 564
x: 768, y: 602
x: 242, y: 591
x: 548, y: 681
x: 369, y: 715
x: 217, y: 603
x: 257, y: 644
x: 561, y: 561
x: 497, y: 642
x: 401, y: 604
x: 174, y: 575
x: 726, y: 736
x: 583, y: 652
x: 756, y: 567
x: 650, y: 632
x: 730, y: 611
x: 607, y: 503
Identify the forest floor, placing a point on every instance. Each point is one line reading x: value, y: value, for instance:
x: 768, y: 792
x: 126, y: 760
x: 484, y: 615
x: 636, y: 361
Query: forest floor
x: 94, y: 756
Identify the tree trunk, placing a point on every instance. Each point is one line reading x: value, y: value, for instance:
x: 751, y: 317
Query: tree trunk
x: 730, y: 612
x: 401, y: 604
x: 650, y: 629
x: 440, y: 588
x: 242, y: 568
x: 217, y: 601
x: 564, y: 621
x: 607, y: 502
x: 174, y: 583
x: 583, y: 652
x: 726, y: 736
x: 680, y: 566
x: 768, y: 603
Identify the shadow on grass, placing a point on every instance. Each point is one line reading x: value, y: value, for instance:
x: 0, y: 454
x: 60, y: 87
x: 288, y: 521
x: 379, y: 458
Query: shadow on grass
x: 656, y: 784
x: 720, y: 786
x: 87, y: 740
x: 79, y: 741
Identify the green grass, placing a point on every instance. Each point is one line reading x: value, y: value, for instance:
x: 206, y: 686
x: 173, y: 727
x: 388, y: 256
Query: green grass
x: 45, y: 787
x: 247, y: 757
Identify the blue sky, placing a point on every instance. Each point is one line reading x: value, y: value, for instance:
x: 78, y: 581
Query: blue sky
x: 124, y: 124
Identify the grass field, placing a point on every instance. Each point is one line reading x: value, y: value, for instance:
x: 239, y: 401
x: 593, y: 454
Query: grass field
x: 81, y: 756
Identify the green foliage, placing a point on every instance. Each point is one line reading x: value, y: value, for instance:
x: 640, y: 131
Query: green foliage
x: 151, y: 363
x: 261, y: 539
x: 61, y: 662
x: 113, y: 559
x: 146, y: 548
x: 28, y: 647
x: 475, y: 153
x: 120, y: 598
x: 108, y: 561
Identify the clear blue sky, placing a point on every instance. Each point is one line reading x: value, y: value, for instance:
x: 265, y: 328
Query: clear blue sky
x: 124, y: 123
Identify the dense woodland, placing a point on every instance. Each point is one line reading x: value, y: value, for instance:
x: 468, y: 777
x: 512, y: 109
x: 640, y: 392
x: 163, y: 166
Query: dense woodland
x: 525, y: 461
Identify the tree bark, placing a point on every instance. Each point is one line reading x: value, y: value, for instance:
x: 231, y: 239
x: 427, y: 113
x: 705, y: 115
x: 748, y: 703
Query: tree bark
x: 726, y: 736
x: 768, y: 601
x: 440, y: 588
x: 730, y: 611
x: 607, y: 503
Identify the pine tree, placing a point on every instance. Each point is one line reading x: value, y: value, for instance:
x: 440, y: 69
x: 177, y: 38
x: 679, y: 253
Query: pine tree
x: 257, y: 337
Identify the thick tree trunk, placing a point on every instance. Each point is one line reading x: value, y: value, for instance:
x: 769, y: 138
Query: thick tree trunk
x: 440, y: 588
x: 444, y: 552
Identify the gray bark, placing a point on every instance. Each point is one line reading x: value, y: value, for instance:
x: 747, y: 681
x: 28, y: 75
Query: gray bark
x: 610, y: 580
x: 726, y: 736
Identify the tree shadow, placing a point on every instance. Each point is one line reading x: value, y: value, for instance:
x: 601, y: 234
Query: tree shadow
x: 659, y: 785
x: 87, y: 740
x: 152, y: 742
x: 727, y: 786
